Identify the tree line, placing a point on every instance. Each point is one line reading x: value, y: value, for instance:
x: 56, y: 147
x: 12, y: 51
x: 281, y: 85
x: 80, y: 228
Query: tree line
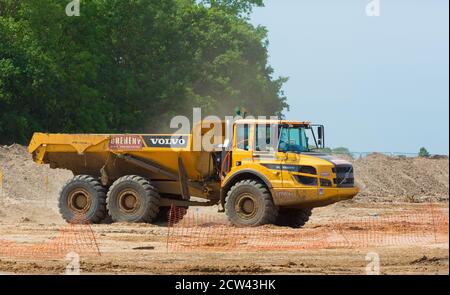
x: 129, y: 65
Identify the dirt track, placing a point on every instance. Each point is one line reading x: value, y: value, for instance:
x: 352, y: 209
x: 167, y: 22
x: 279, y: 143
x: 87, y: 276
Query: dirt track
x: 390, y: 217
x: 126, y: 248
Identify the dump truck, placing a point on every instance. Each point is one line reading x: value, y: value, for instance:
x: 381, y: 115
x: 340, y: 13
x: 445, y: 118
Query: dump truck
x: 255, y: 181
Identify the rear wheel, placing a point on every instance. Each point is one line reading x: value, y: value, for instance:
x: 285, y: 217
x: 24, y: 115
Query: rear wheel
x: 132, y: 198
x: 294, y: 218
x: 82, y: 199
x: 171, y: 215
x: 249, y: 203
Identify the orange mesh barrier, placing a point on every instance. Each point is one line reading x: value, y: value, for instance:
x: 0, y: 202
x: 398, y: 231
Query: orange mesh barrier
x: 198, y: 231
x: 76, y: 236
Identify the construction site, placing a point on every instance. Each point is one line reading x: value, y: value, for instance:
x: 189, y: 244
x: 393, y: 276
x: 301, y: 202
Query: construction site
x: 222, y: 138
x: 399, y: 218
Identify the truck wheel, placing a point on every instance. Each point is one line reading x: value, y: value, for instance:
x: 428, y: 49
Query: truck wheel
x: 132, y: 198
x: 294, y: 218
x: 175, y: 216
x: 249, y: 203
x: 82, y: 199
x: 106, y: 220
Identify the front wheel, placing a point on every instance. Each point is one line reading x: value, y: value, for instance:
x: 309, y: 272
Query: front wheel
x: 294, y: 218
x: 249, y: 203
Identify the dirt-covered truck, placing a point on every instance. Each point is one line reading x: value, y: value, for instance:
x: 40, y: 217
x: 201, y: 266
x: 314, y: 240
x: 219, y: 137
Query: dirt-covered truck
x: 254, y: 180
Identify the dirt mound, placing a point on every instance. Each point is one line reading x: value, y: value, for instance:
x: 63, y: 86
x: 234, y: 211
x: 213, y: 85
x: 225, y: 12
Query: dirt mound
x: 28, y: 190
x: 387, y: 179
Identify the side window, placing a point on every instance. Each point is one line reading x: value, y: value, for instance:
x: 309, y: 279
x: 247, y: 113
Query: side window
x: 294, y: 136
x: 242, y: 137
x: 284, y: 140
x: 262, y: 138
x: 304, y: 140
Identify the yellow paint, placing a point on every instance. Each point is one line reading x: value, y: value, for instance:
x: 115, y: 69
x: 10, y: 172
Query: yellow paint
x: 89, y: 152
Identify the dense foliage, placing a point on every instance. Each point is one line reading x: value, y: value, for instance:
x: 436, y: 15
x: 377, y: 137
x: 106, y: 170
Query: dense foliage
x: 129, y: 65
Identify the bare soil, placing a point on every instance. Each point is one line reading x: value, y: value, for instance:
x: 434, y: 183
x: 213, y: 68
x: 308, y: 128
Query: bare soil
x: 396, y: 179
x: 390, y: 187
x: 142, y: 249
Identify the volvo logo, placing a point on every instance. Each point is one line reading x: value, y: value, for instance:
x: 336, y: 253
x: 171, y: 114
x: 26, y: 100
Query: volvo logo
x: 166, y: 141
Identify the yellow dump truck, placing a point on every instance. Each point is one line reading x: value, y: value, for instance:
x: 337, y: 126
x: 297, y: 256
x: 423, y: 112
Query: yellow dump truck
x: 255, y: 181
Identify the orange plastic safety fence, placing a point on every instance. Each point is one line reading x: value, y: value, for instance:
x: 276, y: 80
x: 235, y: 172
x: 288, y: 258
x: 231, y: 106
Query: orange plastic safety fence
x: 197, y: 231
x: 76, y: 236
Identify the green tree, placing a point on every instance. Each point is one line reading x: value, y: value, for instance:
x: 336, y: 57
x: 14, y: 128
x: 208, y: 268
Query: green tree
x: 327, y: 150
x: 237, y: 7
x: 423, y: 152
x: 341, y: 150
x: 129, y: 65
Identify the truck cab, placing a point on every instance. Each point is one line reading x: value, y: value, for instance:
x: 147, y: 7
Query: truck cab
x: 284, y: 158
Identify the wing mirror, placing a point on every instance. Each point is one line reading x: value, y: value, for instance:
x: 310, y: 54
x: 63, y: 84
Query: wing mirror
x: 321, y: 136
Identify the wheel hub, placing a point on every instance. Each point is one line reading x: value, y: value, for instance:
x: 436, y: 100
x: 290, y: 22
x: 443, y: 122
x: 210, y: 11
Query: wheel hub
x: 129, y: 201
x: 246, y: 206
x: 79, y: 201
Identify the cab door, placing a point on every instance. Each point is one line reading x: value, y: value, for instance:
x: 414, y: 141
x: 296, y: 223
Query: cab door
x: 265, y: 152
x: 289, y: 159
x: 243, y: 144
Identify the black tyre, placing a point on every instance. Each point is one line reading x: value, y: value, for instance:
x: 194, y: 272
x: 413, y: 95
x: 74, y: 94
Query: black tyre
x: 294, y: 218
x: 132, y: 198
x: 249, y: 203
x: 175, y: 215
x: 83, y: 199
x: 106, y: 220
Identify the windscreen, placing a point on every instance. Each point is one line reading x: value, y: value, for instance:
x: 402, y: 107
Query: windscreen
x: 283, y: 138
x: 293, y: 139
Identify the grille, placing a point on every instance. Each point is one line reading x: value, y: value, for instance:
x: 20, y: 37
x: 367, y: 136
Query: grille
x: 344, y: 176
x: 344, y: 182
x: 344, y: 169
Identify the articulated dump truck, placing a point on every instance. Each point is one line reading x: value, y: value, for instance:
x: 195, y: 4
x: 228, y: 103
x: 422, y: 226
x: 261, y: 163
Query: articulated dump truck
x: 139, y: 177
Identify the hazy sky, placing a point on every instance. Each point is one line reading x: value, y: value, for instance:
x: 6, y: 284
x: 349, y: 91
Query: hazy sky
x: 378, y: 83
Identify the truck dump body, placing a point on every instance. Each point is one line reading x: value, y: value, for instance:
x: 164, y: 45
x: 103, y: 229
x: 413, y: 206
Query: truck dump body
x: 105, y: 155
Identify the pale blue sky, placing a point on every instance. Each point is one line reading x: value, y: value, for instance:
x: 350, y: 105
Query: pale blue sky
x: 377, y: 83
